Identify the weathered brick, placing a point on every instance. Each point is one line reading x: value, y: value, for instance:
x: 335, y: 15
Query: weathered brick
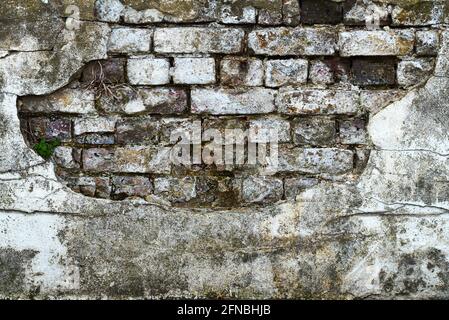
x: 329, y: 71
x: 222, y: 124
x: 98, y: 187
x: 233, y: 101
x: 127, y: 160
x: 418, y: 13
x: 261, y: 128
x: 294, y: 186
x: 414, y: 72
x: 109, y: 10
x: 315, y: 131
x: 63, y: 101
x: 291, y: 12
x: 197, y: 191
x: 93, y: 125
x: 358, y: 12
x: 286, y: 72
x: 370, y: 71
x: 96, y: 139
x: 130, y: 40
x: 194, y: 71
x: 231, y: 14
x: 376, y: 43
x: 173, y: 126
x: 50, y: 129
x: 137, y: 131
x: 353, y: 132
x: 175, y: 189
x: 63, y: 157
x: 316, y: 101
x: 321, y: 12
x: 198, y: 40
x: 375, y: 100
x: 427, y: 43
x: 107, y: 71
x: 129, y: 186
x: 145, y: 100
x: 238, y: 71
x: 293, y: 41
x: 315, y: 161
x: 148, y: 71
x: 262, y: 189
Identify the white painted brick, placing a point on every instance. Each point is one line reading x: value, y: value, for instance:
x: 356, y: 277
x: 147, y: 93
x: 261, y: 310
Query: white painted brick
x: 130, y: 40
x: 233, y: 101
x: 376, y: 43
x: 286, y: 72
x: 237, y: 71
x: 148, y: 71
x: 198, y: 40
x: 293, y: 41
x: 194, y: 70
x: 314, y: 101
x: 94, y: 125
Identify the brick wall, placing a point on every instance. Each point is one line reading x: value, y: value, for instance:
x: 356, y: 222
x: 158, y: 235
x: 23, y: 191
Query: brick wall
x: 311, y: 69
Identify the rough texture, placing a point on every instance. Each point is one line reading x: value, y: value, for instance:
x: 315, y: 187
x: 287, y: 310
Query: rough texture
x: 356, y: 209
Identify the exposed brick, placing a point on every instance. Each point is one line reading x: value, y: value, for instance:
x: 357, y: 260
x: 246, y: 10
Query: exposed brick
x: 315, y: 161
x: 63, y: 157
x: 127, y: 160
x: 63, y: 101
x: 329, y: 71
x: 194, y: 71
x: 420, y: 13
x: 261, y: 128
x: 293, y: 41
x: 198, y: 40
x: 96, y: 139
x: 238, y: 71
x: 94, y: 125
x: 232, y: 14
x: 94, y: 186
x: 233, y: 101
x: 353, y: 132
x: 286, y: 72
x: 291, y: 12
x: 375, y: 100
x: 376, y: 43
x: 321, y: 12
x: 315, y: 131
x: 262, y: 189
x: 414, y: 72
x: 315, y: 101
x: 367, y: 71
x: 107, y: 71
x: 137, y: 131
x: 145, y: 100
x: 427, y: 43
x: 130, y: 40
x: 359, y: 12
x: 148, y: 71
x: 294, y: 186
x: 126, y: 186
x: 49, y: 129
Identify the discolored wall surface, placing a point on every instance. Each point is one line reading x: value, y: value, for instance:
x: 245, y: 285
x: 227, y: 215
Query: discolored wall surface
x: 357, y: 208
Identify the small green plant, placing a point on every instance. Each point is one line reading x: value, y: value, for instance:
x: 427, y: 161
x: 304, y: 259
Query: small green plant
x: 46, y: 148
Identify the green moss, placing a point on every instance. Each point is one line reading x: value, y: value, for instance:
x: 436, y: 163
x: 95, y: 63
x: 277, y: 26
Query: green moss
x: 46, y: 148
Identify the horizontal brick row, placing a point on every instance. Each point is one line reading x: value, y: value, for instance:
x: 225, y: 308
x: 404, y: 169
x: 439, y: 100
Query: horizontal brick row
x: 281, y: 41
x: 213, y: 101
x: 143, y: 131
x: 279, y: 12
